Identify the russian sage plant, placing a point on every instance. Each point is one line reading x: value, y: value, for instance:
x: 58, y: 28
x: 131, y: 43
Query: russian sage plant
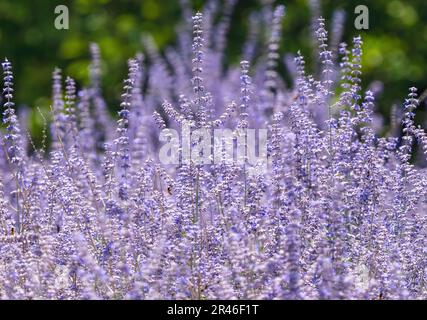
x: 337, y: 212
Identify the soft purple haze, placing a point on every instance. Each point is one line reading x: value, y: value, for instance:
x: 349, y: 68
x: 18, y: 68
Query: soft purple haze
x: 339, y: 214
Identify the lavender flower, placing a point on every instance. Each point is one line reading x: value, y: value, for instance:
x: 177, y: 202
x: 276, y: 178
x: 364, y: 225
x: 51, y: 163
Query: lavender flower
x: 338, y: 212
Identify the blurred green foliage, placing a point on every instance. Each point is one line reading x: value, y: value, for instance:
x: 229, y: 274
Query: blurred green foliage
x: 395, y: 46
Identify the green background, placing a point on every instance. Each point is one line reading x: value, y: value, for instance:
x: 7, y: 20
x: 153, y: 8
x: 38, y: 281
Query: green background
x: 395, y: 46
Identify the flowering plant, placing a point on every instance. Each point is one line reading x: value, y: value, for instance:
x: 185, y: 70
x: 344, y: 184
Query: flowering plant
x: 336, y: 211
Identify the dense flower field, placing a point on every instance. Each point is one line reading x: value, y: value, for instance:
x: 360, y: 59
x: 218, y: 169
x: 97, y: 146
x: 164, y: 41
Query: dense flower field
x: 338, y: 213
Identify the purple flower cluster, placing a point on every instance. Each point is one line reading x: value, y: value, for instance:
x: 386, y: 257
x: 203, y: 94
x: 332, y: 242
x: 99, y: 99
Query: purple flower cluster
x: 339, y: 213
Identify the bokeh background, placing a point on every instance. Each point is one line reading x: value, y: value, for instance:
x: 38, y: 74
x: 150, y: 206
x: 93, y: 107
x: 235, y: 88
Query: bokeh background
x: 395, y: 46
